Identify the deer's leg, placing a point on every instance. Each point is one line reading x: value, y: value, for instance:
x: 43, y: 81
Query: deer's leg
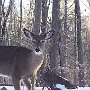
x: 27, y: 82
x: 43, y: 88
x: 33, y: 82
x: 16, y: 83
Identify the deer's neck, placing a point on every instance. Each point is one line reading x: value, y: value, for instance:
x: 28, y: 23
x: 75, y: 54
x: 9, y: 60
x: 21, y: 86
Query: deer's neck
x: 37, y: 60
x: 39, y: 56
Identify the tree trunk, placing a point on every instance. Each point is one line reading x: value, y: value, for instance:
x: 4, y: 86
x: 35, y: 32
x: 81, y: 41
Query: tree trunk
x: 88, y: 2
x: 37, y: 16
x: 75, y: 49
x: 19, y: 32
x: 0, y: 18
x: 10, y: 22
x: 79, y: 44
x: 55, y: 26
x: 63, y: 43
x: 44, y: 15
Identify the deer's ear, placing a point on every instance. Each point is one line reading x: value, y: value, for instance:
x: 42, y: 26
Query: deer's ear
x: 28, y: 33
x: 49, y: 34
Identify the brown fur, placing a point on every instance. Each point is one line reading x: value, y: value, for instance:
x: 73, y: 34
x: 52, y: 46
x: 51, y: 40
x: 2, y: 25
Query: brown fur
x: 22, y: 63
x: 19, y: 63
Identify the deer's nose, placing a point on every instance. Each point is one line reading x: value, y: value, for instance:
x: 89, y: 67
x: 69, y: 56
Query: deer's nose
x: 37, y: 50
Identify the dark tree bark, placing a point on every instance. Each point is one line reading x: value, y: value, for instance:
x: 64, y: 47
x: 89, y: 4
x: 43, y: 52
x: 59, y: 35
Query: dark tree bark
x: 20, y: 23
x: 63, y: 42
x: 55, y: 26
x: 44, y: 15
x: 5, y: 18
x: 79, y: 44
x: 75, y: 49
x: 5, y: 15
x: 0, y: 17
x: 10, y: 23
x: 37, y: 21
x: 88, y: 2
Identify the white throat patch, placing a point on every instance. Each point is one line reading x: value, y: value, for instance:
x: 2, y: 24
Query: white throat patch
x: 38, y: 53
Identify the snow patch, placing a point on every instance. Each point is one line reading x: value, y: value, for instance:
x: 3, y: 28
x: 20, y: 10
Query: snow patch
x: 40, y: 88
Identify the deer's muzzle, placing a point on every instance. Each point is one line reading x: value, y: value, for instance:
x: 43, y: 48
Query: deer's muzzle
x: 37, y: 49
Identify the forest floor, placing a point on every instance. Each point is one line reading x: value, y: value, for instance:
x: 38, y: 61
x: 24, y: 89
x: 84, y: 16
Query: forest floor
x: 40, y: 88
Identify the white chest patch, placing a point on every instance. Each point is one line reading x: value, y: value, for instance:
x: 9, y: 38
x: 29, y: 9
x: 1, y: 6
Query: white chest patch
x: 38, y: 53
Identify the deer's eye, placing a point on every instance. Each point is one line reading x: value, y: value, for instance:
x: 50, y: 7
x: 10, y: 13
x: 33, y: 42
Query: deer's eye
x: 42, y: 41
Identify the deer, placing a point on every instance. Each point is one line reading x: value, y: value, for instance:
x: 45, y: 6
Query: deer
x: 21, y: 63
x: 51, y: 79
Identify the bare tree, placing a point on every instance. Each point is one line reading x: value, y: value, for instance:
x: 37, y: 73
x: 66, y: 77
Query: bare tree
x: 37, y: 13
x: 44, y: 15
x: 75, y: 48
x: 63, y: 42
x: 0, y: 16
x: 19, y: 31
x: 88, y: 2
x: 79, y: 43
x: 5, y: 17
x: 55, y: 26
x: 10, y: 22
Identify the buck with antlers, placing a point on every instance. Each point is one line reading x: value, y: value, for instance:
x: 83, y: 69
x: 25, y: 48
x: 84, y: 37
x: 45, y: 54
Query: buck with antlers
x: 22, y: 63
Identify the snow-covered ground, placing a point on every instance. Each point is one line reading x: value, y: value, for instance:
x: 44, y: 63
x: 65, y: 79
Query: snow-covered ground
x: 79, y: 88
x: 40, y: 88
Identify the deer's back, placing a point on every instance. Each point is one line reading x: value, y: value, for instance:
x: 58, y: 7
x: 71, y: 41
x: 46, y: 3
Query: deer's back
x: 11, y: 56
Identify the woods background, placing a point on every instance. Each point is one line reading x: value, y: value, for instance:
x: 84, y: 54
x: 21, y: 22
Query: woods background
x: 68, y: 51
